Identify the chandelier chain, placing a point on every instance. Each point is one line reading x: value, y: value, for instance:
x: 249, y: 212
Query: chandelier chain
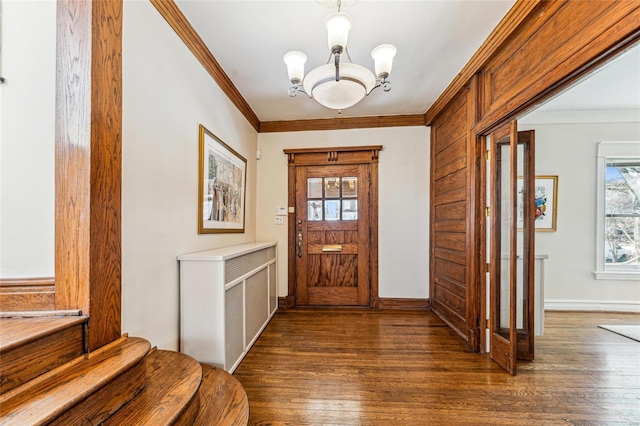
x: 331, y: 4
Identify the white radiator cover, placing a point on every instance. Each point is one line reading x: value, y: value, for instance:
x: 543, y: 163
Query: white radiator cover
x: 227, y: 297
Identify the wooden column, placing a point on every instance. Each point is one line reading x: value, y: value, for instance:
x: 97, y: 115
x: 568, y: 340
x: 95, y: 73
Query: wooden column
x: 88, y: 163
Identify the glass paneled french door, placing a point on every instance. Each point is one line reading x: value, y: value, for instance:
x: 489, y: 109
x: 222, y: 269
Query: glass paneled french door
x: 512, y: 210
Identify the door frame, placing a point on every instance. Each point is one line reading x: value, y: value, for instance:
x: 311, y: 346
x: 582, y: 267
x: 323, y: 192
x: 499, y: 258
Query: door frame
x: 478, y: 129
x: 328, y: 157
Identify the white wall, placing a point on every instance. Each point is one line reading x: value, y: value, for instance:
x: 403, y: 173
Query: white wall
x: 166, y: 94
x: 403, y: 200
x: 569, y: 151
x: 27, y: 112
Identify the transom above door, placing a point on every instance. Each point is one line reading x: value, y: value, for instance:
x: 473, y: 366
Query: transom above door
x: 333, y: 227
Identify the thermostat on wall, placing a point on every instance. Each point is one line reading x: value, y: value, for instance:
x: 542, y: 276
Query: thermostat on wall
x: 281, y: 211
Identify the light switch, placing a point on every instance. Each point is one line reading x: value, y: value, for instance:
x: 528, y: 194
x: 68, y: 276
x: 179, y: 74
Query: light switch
x: 279, y: 220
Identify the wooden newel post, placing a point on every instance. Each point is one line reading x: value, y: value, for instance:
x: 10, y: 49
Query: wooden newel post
x: 88, y: 139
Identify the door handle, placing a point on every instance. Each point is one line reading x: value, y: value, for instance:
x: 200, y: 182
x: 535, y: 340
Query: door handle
x: 299, y: 244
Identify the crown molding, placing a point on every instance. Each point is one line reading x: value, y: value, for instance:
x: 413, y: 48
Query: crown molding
x: 176, y: 19
x: 170, y: 11
x: 342, y: 123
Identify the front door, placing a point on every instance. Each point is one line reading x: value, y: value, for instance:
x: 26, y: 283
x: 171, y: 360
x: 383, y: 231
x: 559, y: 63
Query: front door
x: 333, y: 226
x: 332, y: 235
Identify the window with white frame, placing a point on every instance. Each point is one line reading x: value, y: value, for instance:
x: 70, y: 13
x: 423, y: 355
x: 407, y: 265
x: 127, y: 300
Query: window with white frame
x: 618, y: 227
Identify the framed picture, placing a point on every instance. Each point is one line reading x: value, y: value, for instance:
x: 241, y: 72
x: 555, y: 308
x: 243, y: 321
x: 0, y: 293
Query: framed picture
x: 546, y: 202
x: 222, y: 174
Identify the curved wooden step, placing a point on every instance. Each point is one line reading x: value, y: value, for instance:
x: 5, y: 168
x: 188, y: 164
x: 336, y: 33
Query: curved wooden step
x: 86, y: 390
x: 171, y: 395
x: 223, y: 400
x: 30, y: 347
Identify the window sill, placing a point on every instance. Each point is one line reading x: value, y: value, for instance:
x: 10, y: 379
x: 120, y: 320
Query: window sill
x: 617, y: 275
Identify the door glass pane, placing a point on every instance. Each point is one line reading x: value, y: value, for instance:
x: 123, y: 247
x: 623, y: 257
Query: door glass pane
x: 520, y: 275
x: 349, y: 187
x: 349, y: 209
x: 505, y: 234
x: 314, y: 188
x: 314, y: 210
x: 332, y: 210
x: 332, y: 188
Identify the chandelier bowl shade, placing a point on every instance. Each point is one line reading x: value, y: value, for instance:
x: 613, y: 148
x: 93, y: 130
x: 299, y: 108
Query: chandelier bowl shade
x: 355, y: 83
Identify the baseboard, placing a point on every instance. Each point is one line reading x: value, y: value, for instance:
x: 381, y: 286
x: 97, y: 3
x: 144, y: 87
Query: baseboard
x: 403, y: 304
x: 591, y: 305
x: 385, y: 303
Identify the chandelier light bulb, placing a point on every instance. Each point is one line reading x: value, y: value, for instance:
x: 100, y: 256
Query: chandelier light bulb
x: 383, y: 56
x: 295, y: 65
x: 338, y: 26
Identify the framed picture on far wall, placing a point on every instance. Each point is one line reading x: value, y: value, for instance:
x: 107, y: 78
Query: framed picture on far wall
x: 222, y: 174
x: 546, y: 202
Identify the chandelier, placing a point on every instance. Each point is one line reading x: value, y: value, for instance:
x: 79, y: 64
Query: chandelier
x: 339, y: 85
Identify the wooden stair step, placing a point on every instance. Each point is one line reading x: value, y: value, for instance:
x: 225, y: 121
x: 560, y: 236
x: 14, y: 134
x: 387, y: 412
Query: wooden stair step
x: 86, y: 390
x: 171, y: 396
x: 30, y: 314
x: 30, y: 347
x: 223, y: 400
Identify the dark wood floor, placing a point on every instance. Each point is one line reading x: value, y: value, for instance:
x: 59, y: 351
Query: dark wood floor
x: 350, y: 367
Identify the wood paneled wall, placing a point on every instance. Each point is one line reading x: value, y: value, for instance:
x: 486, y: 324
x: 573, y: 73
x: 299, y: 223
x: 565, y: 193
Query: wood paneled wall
x: 449, y: 206
x: 541, y: 51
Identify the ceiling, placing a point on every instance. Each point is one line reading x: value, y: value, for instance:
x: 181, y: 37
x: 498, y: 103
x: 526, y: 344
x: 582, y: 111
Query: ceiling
x: 612, y: 87
x: 435, y: 39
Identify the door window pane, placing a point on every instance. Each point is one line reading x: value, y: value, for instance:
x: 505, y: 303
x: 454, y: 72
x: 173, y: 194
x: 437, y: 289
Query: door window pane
x: 504, y: 167
x: 332, y: 198
x: 314, y: 188
x: 349, y: 209
x: 332, y: 187
x: 349, y: 187
x: 314, y: 210
x: 521, y: 279
x: 332, y: 210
